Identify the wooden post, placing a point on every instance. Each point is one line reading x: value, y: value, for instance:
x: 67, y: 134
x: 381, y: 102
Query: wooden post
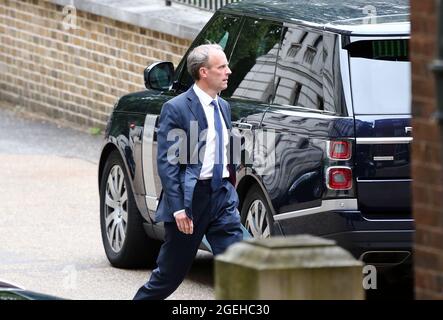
x: 297, y: 267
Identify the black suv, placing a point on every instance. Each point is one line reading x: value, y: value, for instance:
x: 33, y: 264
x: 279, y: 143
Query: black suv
x: 329, y: 81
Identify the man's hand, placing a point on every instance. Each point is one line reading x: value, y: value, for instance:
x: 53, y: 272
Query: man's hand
x: 184, y: 224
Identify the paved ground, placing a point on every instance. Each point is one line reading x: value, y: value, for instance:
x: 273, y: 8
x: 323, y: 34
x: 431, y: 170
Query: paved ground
x: 49, y: 217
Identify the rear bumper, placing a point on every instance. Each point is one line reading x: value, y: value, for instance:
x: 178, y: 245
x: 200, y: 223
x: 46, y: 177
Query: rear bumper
x: 383, y: 248
x: 380, y: 242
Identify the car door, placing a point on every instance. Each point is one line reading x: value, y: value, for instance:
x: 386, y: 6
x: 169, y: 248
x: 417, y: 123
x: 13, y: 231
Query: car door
x: 251, y: 48
x: 306, y: 113
x: 251, y: 84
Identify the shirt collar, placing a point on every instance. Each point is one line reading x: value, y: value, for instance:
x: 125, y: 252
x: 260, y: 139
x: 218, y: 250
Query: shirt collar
x: 205, y: 99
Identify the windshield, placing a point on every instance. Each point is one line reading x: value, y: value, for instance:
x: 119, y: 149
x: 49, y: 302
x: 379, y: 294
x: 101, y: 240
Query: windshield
x: 380, y: 76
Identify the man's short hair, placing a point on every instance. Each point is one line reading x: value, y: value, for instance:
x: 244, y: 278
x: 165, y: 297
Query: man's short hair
x: 199, y: 57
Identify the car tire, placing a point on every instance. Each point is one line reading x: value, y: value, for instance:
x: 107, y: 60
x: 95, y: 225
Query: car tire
x: 124, y: 239
x: 256, y: 214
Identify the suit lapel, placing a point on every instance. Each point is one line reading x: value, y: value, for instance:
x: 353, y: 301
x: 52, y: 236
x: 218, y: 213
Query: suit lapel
x: 198, y: 112
x: 196, y: 109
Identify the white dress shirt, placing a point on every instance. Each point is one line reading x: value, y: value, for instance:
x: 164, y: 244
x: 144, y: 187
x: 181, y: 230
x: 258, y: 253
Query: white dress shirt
x: 209, y: 157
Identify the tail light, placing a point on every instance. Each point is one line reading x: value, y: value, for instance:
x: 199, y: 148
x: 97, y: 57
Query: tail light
x: 339, y: 150
x: 339, y: 178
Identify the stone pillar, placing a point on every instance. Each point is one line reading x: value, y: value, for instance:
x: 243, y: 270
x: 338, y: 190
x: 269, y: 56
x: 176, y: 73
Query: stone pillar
x: 297, y: 267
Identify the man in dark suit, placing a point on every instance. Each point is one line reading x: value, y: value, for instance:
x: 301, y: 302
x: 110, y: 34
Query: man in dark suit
x: 198, y: 197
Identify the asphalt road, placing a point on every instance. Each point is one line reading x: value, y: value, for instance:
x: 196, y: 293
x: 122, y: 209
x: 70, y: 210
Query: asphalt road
x: 50, y: 238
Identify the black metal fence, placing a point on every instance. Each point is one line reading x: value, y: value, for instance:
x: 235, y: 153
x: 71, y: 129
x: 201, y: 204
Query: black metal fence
x: 211, y: 5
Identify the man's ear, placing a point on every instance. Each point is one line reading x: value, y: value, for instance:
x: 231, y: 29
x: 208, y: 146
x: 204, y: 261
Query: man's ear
x: 203, y: 72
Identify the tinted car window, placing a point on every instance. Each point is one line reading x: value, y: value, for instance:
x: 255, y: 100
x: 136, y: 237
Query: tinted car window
x: 380, y: 76
x: 253, y: 61
x: 392, y: 50
x: 299, y: 78
x: 221, y: 30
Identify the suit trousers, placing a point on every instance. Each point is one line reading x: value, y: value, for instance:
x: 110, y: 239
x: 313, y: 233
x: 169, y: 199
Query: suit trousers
x: 215, y: 215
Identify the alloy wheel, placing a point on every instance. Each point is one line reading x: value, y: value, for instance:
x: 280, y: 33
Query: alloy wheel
x: 116, y: 208
x: 256, y: 221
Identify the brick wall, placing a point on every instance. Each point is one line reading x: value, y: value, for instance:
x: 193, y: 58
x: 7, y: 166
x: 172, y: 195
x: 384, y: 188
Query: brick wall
x: 427, y: 155
x: 77, y: 74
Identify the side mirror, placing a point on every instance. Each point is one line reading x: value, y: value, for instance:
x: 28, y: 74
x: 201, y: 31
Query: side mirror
x: 159, y: 75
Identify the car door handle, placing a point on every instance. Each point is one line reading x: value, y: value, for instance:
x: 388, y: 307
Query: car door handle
x: 242, y: 125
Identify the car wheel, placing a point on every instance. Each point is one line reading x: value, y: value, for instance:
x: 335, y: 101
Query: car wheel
x: 256, y: 214
x: 124, y: 239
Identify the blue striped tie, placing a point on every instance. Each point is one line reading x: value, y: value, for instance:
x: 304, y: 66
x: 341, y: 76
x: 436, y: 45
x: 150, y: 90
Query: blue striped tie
x: 217, y: 172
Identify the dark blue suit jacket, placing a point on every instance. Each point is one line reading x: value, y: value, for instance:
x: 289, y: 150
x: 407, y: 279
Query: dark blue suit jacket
x: 180, y: 169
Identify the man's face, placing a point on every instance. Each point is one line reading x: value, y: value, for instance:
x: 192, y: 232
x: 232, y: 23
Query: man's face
x: 217, y: 72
